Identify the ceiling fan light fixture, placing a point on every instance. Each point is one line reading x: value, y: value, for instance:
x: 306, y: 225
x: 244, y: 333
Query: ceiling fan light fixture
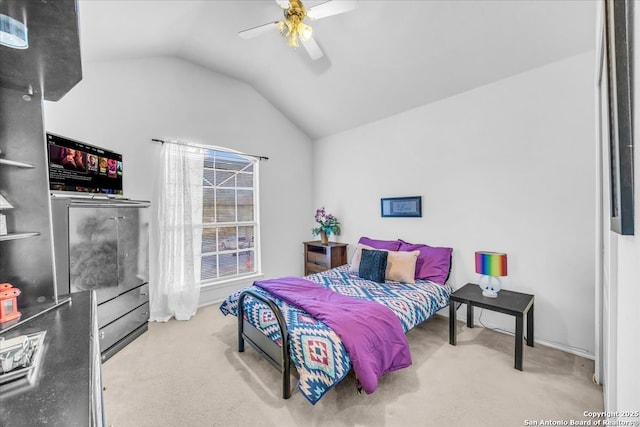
x: 305, y: 31
x: 292, y: 41
x: 287, y: 30
x: 294, y: 29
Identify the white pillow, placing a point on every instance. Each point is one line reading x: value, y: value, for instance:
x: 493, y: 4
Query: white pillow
x: 401, y: 266
x: 355, y: 260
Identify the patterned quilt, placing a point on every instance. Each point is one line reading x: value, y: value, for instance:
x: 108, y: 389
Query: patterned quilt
x: 316, y: 351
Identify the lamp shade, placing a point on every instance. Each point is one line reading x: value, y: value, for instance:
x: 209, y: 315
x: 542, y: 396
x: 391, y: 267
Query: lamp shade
x: 4, y: 203
x: 491, y: 263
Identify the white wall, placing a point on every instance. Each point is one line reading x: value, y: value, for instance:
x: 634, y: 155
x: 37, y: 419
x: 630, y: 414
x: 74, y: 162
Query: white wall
x: 122, y: 105
x: 506, y: 167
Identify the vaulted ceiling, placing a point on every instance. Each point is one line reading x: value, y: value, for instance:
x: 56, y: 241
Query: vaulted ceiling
x: 383, y: 58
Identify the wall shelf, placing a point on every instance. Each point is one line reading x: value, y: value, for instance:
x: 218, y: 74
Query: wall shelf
x: 14, y: 163
x: 16, y: 236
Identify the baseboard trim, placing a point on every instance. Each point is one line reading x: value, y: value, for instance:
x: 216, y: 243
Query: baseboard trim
x: 557, y: 346
x: 566, y: 349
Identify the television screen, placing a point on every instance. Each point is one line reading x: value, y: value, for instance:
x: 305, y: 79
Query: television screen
x: 82, y: 168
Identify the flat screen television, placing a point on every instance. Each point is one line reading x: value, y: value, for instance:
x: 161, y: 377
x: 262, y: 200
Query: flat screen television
x: 77, y: 167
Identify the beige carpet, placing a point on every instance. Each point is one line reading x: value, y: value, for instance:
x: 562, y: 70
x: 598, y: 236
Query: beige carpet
x: 190, y: 374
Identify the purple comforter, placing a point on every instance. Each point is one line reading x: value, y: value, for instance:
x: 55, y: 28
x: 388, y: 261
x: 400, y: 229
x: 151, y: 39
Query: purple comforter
x: 371, y: 333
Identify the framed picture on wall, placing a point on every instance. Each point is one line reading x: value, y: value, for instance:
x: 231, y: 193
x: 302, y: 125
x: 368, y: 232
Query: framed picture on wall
x: 401, y: 206
x: 618, y: 39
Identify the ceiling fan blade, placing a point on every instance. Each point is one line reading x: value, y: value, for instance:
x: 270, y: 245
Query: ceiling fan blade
x: 283, y: 4
x: 331, y: 7
x: 312, y: 48
x: 259, y: 30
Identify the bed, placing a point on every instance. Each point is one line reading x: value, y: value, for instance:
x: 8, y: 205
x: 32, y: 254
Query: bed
x: 286, y: 334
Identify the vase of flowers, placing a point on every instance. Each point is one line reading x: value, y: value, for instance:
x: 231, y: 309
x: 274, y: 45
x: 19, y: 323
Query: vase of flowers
x: 328, y: 224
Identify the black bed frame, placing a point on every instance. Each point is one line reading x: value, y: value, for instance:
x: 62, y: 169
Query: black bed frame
x: 277, y: 355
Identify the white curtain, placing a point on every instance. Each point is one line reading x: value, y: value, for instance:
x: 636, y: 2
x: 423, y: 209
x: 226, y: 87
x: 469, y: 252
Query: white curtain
x: 176, y: 289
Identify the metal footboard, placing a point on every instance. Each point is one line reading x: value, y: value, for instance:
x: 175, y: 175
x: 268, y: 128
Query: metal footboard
x: 277, y: 355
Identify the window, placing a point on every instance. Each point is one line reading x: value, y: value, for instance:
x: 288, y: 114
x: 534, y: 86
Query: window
x: 229, y: 216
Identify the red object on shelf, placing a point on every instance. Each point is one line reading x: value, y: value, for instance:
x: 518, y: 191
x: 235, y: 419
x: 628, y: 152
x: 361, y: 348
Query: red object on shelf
x: 8, y: 302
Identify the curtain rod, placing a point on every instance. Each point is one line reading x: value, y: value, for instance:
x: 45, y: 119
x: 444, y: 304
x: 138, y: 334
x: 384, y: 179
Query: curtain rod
x: 162, y: 141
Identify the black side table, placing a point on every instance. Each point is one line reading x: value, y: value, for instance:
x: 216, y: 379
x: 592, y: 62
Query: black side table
x: 508, y: 302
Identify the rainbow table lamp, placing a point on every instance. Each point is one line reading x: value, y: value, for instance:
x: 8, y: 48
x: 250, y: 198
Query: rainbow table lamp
x: 491, y: 266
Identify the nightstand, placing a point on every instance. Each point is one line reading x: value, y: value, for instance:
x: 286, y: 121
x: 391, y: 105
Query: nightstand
x: 319, y: 257
x: 513, y: 303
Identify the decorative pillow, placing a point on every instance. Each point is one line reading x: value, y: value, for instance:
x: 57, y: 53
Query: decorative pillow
x: 373, y: 265
x: 433, y: 263
x: 390, y: 245
x: 401, y: 266
x: 355, y: 260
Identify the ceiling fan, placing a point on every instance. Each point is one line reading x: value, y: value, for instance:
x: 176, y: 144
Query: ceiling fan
x: 293, y: 27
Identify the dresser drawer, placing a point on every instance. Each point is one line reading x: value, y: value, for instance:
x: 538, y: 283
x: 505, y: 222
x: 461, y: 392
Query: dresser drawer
x: 317, y: 258
x: 116, y: 307
x: 115, y: 331
x: 315, y: 268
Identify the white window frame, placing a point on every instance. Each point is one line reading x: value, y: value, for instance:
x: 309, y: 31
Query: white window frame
x: 257, y: 264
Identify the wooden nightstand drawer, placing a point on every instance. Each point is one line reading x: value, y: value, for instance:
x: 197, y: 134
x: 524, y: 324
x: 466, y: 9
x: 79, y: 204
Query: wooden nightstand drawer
x: 316, y: 258
x: 314, y: 268
x: 319, y: 257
